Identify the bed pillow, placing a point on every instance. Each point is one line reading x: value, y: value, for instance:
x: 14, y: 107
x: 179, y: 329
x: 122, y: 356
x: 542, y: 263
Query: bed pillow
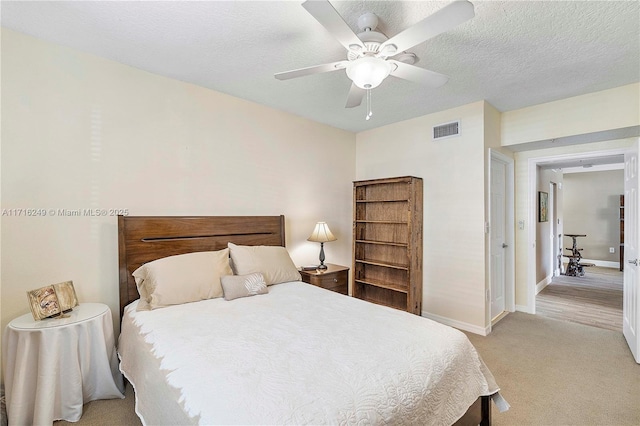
x: 235, y: 286
x: 181, y: 279
x: 273, y: 262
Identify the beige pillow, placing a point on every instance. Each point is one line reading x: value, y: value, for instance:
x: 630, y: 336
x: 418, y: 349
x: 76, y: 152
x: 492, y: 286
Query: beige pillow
x: 273, y: 262
x: 235, y: 286
x: 181, y: 279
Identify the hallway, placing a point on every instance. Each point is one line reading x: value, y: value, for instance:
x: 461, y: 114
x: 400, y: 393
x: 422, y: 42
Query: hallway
x: 595, y: 299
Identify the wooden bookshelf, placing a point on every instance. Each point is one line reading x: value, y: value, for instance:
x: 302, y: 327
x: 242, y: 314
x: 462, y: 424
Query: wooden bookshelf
x: 387, y: 242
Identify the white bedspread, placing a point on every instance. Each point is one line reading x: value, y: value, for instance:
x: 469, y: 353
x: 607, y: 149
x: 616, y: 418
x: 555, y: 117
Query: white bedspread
x: 297, y: 355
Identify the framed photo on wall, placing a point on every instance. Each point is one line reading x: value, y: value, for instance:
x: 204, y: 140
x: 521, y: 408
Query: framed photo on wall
x: 543, y: 206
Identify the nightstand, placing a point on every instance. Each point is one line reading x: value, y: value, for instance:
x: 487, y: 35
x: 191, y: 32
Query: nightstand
x: 334, y: 278
x: 55, y: 365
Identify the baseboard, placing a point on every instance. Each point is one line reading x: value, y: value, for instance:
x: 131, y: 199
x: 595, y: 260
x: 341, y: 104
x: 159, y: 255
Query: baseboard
x: 542, y: 284
x: 499, y: 317
x: 471, y: 328
x: 523, y: 308
x: 602, y: 263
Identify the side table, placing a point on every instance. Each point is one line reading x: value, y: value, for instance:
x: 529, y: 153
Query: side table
x: 54, y: 366
x: 334, y: 278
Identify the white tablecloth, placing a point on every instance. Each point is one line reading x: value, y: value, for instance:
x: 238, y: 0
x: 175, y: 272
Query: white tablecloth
x: 54, y: 366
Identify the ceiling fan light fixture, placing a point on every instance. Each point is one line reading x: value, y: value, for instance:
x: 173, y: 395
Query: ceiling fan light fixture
x: 368, y: 72
x: 389, y: 50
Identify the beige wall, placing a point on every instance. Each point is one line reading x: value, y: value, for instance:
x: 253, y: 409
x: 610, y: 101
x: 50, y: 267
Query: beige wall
x: 591, y: 207
x: 80, y: 132
x: 454, y: 178
x: 594, y: 112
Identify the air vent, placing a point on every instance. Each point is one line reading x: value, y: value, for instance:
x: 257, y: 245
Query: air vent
x: 446, y: 130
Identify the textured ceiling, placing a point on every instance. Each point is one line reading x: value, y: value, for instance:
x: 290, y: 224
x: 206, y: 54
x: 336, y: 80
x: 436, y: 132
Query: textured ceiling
x: 513, y: 53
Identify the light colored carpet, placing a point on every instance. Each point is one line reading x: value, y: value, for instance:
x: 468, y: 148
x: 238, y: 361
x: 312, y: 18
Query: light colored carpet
x: 112, y: 412
x: 551, y: 372
x: 560, y: 373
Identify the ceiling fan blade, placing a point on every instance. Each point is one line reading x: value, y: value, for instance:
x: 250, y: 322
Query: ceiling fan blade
x: 445, y: 19
x: 317, y: 69
x: 418, y: 75
x: 325, y: 13
x: 355, y: 96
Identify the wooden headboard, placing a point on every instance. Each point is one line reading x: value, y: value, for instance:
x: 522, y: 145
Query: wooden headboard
x: 142, y: 239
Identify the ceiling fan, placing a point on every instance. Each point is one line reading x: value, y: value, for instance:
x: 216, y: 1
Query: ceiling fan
x: 372, y: 56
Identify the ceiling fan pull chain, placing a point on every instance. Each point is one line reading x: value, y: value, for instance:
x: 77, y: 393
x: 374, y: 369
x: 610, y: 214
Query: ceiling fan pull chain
x: 369, y: 112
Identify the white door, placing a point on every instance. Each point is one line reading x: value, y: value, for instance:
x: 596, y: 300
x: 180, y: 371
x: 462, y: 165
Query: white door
x: 498, y: 237
x: 631, y: 295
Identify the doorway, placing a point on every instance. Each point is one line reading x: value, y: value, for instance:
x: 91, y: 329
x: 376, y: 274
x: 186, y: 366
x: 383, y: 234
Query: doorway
x: 534, y: 166
x: 590, y: 206
x: 631, y: 294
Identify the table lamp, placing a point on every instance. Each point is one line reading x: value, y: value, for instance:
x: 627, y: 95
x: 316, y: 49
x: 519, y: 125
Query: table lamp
x: 321, y: 234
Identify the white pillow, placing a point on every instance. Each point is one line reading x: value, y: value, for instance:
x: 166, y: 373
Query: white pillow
x: 181, y: 279
x: 273, y: 262
x: 236, y: 286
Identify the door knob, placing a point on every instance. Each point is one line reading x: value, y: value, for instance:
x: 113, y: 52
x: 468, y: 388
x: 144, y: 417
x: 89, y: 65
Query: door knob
x: 633, y: 262
x: 504, y: 245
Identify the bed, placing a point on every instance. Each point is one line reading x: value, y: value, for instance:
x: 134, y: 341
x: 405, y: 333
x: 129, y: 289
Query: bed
x: 291, y: 353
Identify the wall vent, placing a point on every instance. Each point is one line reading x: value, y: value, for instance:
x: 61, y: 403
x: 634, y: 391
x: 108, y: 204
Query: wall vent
x: 446, y: 130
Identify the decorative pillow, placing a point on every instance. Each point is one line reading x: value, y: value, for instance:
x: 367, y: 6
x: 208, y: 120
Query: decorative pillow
x: 181, y: 279
x: 273, y: 262
x: 235, y: 286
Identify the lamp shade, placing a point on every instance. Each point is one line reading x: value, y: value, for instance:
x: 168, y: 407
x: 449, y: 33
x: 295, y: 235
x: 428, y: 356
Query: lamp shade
x: 321, y: 233
x: 368, y: 72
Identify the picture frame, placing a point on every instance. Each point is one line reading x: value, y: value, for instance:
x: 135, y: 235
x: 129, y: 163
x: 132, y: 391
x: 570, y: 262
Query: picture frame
x: 543, y: 206
x: 52, y: 300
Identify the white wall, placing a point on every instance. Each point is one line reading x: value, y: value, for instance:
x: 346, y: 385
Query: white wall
x: 454, y: 179
x: 83, y: 132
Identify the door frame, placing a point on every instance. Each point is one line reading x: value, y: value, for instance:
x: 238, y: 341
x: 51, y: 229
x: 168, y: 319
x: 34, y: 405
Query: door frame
x: 554, y: 217
x: 631, y: 295
x: 532, y: 167
x: 509, y: 273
